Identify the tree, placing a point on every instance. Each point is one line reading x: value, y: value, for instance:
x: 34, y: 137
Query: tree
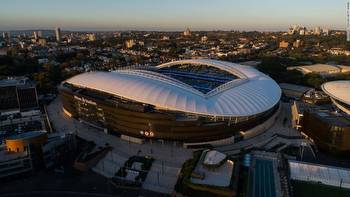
x: 314, y: 80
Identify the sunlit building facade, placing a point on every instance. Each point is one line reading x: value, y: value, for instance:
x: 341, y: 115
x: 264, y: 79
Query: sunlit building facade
x: 188, y: 100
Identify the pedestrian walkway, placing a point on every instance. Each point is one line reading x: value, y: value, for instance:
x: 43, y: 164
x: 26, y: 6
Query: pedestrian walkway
x: 280, y: 132
x: 168, y: 157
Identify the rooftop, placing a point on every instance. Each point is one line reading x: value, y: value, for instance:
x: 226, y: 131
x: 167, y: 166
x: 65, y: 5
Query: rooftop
x: 339, y: 90
x: 328, y: 175
x: 293, y: 87
x: 322, y: 68
x: 220, y: 176
x: 249, y: 93
x: 26, y: 135
x: 329, y: 115
x: 213, y: 157
x: 7, y: 156
x: 16, y: 81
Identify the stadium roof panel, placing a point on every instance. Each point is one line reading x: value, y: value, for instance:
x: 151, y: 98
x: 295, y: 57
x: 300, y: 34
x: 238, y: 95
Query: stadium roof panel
x: 339, y: 90
x: 251, y: 94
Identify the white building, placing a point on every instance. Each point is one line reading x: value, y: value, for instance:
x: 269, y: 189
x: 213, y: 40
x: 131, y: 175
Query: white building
x: 339, y: 91
x: 204, y: 38
x: 321, y: 69
x: 187, y: 32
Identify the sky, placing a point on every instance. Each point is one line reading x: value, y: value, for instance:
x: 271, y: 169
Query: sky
x: 171, y: 15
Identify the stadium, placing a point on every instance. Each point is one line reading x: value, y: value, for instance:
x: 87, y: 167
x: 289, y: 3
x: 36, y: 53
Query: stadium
x: 190, y: 101
x: 339, y: 91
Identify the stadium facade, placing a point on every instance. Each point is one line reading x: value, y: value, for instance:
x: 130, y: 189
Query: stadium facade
x: 190, y: 101
x: 339, y: 91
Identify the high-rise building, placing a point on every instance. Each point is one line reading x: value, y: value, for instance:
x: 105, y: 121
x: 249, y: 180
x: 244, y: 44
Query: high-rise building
x: 40, y: 34
x: 302, y: 31
x: 325, y: 32
x: 187, y: 32
x: 5, y: 35
x: 58, y: 34
x: 35, y: 35
x: 317, y: 31
x: 129, y: 43
x: 295, y: 29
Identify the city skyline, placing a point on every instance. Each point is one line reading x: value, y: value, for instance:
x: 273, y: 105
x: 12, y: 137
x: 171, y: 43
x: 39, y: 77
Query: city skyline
x: 92, y: 15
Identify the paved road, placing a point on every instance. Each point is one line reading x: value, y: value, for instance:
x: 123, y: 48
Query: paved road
x: 169, y: 158
x: 49, y: 183
x: 281, y: 127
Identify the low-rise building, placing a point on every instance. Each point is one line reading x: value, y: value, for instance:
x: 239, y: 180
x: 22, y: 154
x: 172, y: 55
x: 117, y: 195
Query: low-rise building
x: 321, y: 69
x: 21, y: 153
x: 129, y: 43
x: 213, y: 173
x: 18, y: 93
x: 25, y: 152
x: 339, y: 51
x: 315, y: 97
x: 14, y: 163
x: 318, y: 180
x: 293, y: 91
x: 284, y: 44
x: 19, y: 108
x: 329, y: 129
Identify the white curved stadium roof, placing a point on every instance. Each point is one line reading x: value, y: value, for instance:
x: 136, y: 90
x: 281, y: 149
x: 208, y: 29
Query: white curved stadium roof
x: 339, y: 90
x: 251, y: 94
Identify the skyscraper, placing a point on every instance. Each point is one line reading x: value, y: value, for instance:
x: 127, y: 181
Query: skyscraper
x: 129, y: 43
x: 5, y: 35
x: 187, y: 32
x: 317, y: 31
x: 58, y: 34
x: 35, y: 35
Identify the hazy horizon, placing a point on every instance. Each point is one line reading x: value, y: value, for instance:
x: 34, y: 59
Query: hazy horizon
x: 167, y: 15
